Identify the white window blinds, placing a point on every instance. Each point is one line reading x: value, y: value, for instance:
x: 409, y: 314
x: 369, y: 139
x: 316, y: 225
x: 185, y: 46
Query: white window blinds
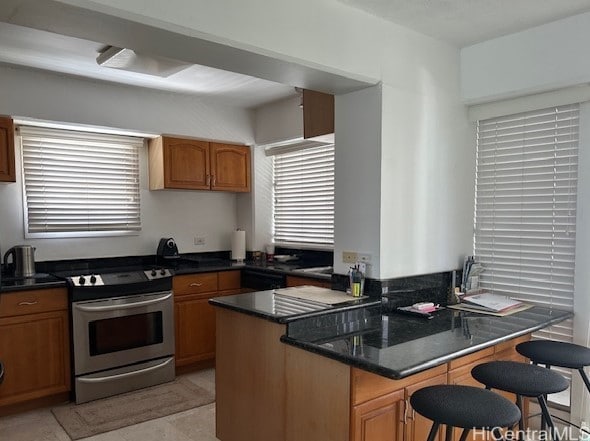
x: 79, y: 184
x: 525, y: 211
x: 304, y: 197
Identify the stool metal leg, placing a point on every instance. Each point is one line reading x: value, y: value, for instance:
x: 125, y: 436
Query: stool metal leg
x: 464, y: 434
x: 449, y: 433
x: 585, y: 378
x: 547, y: 417
x: 433, y: 431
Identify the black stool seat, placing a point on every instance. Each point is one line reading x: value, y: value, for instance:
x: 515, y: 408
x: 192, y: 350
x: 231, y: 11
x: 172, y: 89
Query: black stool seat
x: 466, y: 407
x: 555, y: 353
x: 520, y: 378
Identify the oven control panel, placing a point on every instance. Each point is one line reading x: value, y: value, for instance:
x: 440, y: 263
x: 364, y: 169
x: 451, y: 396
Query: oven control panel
x: 87, y: 280
x: 157, y: 273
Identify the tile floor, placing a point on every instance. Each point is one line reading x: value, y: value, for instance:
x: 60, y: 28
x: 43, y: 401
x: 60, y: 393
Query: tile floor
x: 192, y: 425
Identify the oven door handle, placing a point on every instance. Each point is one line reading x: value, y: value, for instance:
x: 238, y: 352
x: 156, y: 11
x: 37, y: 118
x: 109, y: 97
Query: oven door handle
x: 126, y: 374
x: 124, y: 306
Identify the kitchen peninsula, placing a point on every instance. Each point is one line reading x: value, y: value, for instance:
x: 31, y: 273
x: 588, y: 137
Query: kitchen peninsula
x: 346, y: 373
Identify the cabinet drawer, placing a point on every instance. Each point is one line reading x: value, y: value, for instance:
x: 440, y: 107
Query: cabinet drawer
x: 32, y: 302
x: 194, y: 283
x: 229, y: 280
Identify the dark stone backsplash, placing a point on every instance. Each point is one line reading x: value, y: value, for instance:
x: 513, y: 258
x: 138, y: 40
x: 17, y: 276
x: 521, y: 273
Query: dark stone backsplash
x: 405, y: 291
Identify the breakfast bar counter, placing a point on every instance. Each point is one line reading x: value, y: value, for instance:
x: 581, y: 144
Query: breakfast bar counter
x: 347, y: 373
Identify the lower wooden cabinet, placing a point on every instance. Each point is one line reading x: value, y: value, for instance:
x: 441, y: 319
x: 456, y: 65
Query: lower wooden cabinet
x: 379, y: 419
x: 34, y: 345
x: 194, y: 317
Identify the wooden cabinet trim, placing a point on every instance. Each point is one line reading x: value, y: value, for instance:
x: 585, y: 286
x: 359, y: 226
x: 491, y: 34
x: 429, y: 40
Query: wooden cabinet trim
x: 470, y: 358
x: 366, y: 385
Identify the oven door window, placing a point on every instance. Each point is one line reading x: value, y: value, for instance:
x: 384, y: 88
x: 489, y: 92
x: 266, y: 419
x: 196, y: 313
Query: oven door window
x: 127, y: 332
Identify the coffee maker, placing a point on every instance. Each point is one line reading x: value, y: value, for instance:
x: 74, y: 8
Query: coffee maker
x: 167, y: 249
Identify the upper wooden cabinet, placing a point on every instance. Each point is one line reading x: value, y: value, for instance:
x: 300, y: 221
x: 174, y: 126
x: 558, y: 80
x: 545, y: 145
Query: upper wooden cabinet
x: 318, y: 115
x: 180, y: 163
x: 230, y: 167
x: 7, y: 170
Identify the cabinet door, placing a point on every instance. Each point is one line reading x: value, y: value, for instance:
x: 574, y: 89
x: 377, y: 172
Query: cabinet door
x: 7, y: 170
x: 379, y: 419
x: 195, y: 329
x: 35, y: 353
x: 318, y: 114
x: 462, y: 375
x: 186, y: 164
x: 418, y: 427
x: 230, y: 167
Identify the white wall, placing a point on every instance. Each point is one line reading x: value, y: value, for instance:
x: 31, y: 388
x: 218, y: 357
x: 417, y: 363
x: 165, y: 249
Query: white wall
x: 333, y: 37
x: 543, y: 58
x: 279, y: 121
x: 179, y: 214
x: 580, y: 407
x: 357, y: 198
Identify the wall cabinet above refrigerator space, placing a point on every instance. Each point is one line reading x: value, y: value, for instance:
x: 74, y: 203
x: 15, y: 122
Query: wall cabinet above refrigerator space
x: 191, y: 164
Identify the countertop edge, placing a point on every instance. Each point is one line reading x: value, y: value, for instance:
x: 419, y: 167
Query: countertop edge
x: 398, y: 375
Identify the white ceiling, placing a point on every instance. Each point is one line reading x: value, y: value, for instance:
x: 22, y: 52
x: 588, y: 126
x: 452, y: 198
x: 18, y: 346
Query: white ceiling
x: 460, y: 22
x: 45, y: 50
x: 466, y: 22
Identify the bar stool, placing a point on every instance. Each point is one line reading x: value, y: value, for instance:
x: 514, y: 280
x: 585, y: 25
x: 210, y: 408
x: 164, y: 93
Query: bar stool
x: 557, y: 353
x: 465, y: 407
x: 524, y: 380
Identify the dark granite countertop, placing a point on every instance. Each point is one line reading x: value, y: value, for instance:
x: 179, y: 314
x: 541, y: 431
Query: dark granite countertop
x: 397, y: 346
x: 185, y: 265
x: 40, y: 281
x: 281, y: 309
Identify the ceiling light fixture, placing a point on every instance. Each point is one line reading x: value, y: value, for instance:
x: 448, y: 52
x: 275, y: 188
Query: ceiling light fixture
x: 128, y: 59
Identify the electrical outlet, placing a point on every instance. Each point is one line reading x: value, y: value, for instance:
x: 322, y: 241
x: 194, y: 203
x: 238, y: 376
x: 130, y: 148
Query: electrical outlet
x: 199, y: 240
x: 362, y: 267
x: 349, y: 257
x: 364, y: 257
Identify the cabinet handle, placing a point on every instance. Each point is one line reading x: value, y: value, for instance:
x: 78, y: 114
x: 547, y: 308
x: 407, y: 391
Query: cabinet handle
x: 406, y: 405
x: 28, y: 303
x: 195, y: 284
x: 208, y: 180
x: 213, y: 181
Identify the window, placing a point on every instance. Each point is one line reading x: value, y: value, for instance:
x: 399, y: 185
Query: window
x: 303, y: 184
x: 79, y: 184
x: 525, y: 210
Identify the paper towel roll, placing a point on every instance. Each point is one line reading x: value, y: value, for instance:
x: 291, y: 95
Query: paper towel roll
x: 238, y: 245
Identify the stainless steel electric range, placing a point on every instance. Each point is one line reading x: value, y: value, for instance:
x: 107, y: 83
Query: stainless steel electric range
x: 122, y: 331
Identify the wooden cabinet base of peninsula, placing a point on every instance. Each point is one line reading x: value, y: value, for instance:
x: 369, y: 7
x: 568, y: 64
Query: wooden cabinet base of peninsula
x: 194, y: 317
x: 35, y: 349
x: 380, y: 407
x: 249, y: 378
